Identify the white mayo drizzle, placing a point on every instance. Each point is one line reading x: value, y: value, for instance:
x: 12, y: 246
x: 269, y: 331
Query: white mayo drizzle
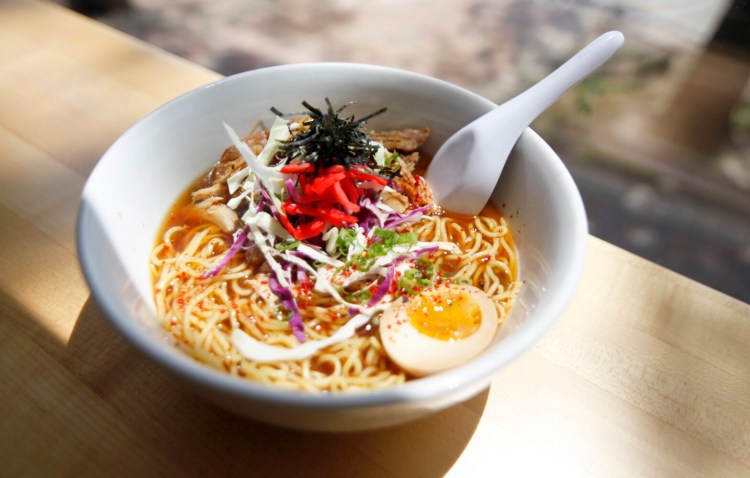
x: 260, y: 352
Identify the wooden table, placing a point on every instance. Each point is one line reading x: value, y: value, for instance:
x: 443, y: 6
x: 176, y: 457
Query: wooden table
x: 646, y: 374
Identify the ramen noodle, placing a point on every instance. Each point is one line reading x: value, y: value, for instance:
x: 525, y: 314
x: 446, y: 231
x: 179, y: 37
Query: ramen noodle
x: 284, y: 262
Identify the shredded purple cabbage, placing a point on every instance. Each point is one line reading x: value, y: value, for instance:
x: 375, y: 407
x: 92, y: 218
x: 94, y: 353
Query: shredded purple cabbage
x: 295, y: 322
x: 384, y: 286
x: 265, y: 195
x: 292, y: 190
x: 261, y: 204
x: 425, y: 250
x: 287, y: 300
x: 413, y: 215
x: 276, y: 288
x: 374, y: 213
x: 239, y: 241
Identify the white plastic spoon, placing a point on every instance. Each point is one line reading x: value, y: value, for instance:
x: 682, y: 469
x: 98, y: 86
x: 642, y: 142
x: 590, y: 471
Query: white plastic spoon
x: 466, y: 168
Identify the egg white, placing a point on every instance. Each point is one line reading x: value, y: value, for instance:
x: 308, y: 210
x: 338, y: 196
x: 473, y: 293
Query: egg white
x: 421, y: 355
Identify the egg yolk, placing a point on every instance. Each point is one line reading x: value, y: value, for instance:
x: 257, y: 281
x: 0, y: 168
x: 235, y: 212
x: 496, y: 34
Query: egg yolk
x: 444, y: 316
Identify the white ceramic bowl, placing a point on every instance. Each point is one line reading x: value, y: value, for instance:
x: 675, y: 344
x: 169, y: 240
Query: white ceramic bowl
x: 138, y: 179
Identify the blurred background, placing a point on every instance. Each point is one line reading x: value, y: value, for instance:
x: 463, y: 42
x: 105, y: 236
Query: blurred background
x: 658, y: 140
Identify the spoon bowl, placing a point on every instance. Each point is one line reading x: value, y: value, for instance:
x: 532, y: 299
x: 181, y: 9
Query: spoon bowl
x: 466, y: 168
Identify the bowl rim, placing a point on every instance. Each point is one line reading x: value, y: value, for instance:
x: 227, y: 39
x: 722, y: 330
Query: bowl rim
x: 428, y: 388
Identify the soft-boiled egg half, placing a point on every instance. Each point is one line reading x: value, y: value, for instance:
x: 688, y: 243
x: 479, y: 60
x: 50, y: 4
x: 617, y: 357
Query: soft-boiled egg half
x: 438, y: 329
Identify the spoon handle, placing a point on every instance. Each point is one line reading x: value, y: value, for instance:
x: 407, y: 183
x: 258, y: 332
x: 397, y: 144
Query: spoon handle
x: 532, y: 102
x: 464, y: 171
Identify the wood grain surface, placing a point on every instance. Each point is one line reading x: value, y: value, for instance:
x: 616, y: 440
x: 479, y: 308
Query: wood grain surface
x: 646, y: 374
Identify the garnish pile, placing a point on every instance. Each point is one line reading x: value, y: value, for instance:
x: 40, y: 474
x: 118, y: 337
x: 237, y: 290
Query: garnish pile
x: 311, y: 205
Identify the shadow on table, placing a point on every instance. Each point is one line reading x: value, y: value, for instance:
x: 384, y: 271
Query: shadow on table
x: 201, y: 438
